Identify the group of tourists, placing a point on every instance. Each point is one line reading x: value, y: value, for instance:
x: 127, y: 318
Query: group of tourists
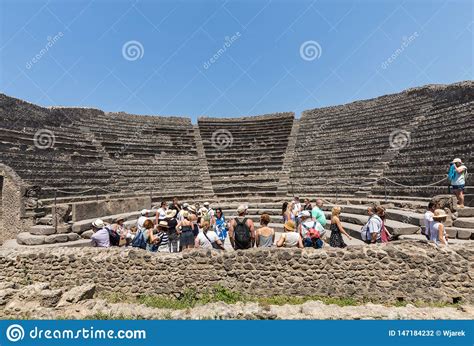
x: 177, y: 227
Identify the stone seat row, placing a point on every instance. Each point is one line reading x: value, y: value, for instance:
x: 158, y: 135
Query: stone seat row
x: 406, y: 103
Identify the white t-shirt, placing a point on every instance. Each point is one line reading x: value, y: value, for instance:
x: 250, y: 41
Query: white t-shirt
x: 140, y: 222
x: 161, y: 213
x: 297, y: 207
x: 428, y: 222
x: 460, y: 177
x: 204, y: 242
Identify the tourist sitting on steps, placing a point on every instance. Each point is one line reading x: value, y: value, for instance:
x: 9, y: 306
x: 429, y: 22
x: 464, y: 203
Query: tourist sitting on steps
x: 337, y: 230
x: 311, y: 231
x: 265, y: 236
x: 428, y: 218
x: 438, y: 230
x: 101, y: 237
x: 457, y: 176
x: 371, y: 233
x: 125, y: 234
x: 207, y: 238
x: 241, y: 230
x: 185, y: 228
x: 318, y: 214
x: 290, y: 238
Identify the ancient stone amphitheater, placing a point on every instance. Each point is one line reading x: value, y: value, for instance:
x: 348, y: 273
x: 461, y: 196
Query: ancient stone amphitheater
x: 60, y: 168
x: 86, y: 163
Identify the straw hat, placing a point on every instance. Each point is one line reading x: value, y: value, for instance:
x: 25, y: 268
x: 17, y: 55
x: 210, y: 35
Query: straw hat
x: 163, y: 224
x: 192, y: 209
x: 290, y: 225
x: 120, y: 218
x: 439, y: 214
x: 98, y: 223
x: 170, y: 213
x: 456, y: 160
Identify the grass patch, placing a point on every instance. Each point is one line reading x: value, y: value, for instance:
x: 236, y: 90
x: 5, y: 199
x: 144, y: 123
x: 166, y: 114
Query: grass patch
x: 191, y: 298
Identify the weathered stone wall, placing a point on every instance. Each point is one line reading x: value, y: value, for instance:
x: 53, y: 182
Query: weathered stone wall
x: 93, y: 209
x: 12, y: 204
x: 412, y: 271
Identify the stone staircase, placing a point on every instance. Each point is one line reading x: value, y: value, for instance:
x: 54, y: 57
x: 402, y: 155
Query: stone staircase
x: 203, y: 168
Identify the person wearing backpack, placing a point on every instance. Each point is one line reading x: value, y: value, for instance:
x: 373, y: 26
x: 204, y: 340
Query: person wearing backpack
x: 310, y: 231
x: 241, y: 230
x: 457, y: 178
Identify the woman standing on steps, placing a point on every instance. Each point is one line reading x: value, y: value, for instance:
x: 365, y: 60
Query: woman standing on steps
x: 337, y: 230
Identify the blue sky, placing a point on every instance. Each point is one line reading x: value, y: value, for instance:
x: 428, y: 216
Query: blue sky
x: 234, y: 58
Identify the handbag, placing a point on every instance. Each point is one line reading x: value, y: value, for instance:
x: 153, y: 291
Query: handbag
x: 213, y: 243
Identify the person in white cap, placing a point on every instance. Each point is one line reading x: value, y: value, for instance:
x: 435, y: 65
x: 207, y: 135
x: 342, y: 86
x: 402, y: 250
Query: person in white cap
x: 141, y: 220
x: 457, y: 176
x: 308, y: 227
x: 242, y: 230
x: 101, y: 237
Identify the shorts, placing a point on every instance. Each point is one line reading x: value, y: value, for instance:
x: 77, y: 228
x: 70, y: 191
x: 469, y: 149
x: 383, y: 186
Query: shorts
x: 458, y: 187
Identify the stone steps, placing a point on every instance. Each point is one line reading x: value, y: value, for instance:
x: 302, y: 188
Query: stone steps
x: 394, y: 227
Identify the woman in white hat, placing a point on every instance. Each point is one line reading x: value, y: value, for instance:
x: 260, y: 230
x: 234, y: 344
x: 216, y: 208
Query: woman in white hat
x: 438, y: 230
x: 457, y: 175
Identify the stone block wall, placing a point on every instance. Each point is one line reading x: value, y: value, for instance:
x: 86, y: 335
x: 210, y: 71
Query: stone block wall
x: 400, y: 270
x: 12, y: 194
x: 89, y: 210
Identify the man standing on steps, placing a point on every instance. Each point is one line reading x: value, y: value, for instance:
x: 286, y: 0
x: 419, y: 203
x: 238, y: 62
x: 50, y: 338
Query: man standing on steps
x: 318, y: 214
x: 457, y: 176
x: 242, y: 230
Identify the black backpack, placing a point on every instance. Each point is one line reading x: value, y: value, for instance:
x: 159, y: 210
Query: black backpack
x: 242, y: 235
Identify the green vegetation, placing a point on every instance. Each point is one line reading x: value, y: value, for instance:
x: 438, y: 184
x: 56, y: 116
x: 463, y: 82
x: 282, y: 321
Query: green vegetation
x: 191, y: 298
